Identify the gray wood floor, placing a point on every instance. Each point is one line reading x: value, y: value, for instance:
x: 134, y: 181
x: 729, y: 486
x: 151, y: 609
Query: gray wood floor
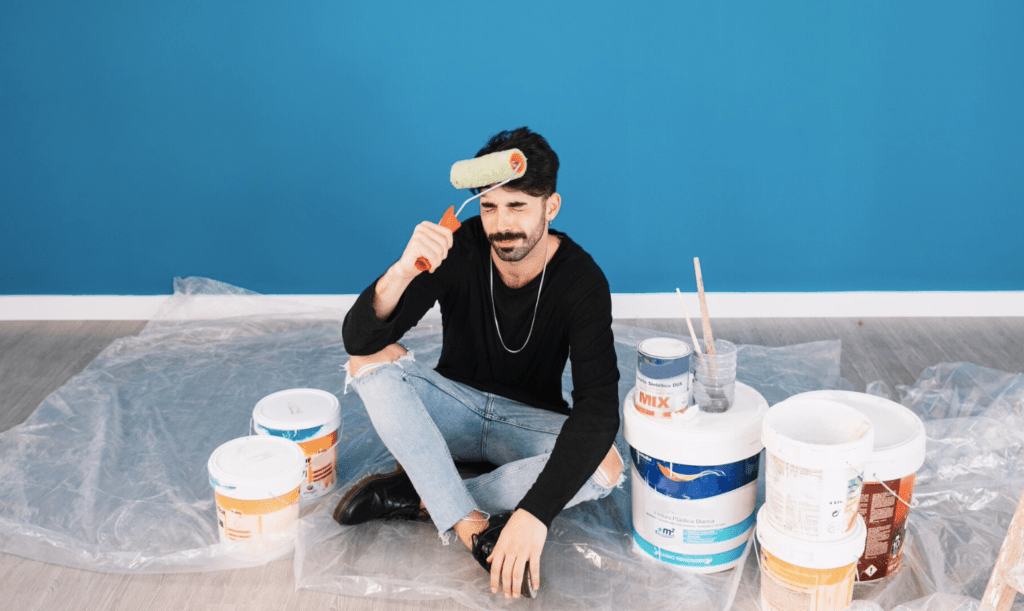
x: 36, y: 358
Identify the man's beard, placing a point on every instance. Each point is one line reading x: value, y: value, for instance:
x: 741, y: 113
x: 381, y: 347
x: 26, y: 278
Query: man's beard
x: 512, y: 254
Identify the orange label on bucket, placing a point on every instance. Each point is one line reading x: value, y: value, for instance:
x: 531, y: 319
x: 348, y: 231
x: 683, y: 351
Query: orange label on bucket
x: 315, y: 446
x: 321, y: 458
x: 257, y: 507
x: 886, y: 519
x: 241, y: 520
x: 788, y: 587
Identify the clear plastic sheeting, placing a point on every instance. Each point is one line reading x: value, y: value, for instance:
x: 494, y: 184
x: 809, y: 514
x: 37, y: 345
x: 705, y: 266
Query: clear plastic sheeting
x: 109, y: 473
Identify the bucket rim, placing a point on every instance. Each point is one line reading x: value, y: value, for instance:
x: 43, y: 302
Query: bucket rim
x: 325, y: 412
x: 809, y: 553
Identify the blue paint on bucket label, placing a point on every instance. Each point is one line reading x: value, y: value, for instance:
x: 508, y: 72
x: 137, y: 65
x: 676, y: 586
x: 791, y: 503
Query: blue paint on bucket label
x: 692, y: 482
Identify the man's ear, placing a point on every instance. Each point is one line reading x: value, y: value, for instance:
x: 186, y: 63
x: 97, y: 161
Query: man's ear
x: 552, y: 206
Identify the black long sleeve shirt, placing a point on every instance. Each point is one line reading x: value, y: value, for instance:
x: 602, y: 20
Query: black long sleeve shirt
x: 573, y: 321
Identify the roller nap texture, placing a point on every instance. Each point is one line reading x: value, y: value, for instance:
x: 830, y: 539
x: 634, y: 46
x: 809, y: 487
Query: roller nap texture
x: 488, y: 170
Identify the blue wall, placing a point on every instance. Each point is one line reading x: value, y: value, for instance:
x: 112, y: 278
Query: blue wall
x: 291, y: 147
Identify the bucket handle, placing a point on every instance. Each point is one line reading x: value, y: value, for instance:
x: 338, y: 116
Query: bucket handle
x: 912, y: 505
x: 913, y: 502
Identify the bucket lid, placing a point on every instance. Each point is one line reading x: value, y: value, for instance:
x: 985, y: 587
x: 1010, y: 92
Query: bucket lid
x: 808, y: 553
x: 298, y: 409
x: 900, y: 438
x: 818, y: 433
x: 703, y: 439
x: 257, y: 466
x: 663, y: 348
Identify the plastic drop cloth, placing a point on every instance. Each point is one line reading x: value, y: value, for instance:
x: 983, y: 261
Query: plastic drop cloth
x: 109, y: 473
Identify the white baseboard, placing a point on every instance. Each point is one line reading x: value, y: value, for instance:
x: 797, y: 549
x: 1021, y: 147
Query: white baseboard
x: 624, y: 305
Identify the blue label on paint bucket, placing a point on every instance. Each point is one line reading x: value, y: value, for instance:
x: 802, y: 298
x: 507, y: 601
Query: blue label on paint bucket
x: 692, y: 482
x: 662, y: 369
x: 689, y: 560
x: 296, y: 436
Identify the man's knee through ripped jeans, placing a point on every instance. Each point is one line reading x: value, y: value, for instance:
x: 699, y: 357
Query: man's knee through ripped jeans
x: 358, y: 366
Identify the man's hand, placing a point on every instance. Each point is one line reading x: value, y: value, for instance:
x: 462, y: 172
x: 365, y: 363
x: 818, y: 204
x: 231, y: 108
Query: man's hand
x: 430, y: 241
x: 521, y: 540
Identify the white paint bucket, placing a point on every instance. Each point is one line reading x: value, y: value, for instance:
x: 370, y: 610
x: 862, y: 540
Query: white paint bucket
x: 802, y: 575
x: 816, y: 452
x: 664, y: 379
x: 256, y: 482
x: 310, y: 418
x: 898, y: 452
x: 694, y: 483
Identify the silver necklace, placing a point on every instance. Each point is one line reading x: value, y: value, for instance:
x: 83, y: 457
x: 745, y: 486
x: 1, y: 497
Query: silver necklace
x: 535, y: 307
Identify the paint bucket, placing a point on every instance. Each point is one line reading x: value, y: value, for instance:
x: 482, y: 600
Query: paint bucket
x: 802, y: 575
x: 816, y: 452
x: 899, y: 451
x: 664, y: 383
x: 694, y: 483
x: 310, y: 418
x: 256, y: 483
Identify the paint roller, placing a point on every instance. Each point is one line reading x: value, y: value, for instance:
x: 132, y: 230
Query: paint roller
x: 500, y: 167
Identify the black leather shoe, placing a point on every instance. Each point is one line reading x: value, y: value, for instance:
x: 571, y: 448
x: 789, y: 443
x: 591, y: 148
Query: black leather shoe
x: 483, y: 545
x: 378, y: 496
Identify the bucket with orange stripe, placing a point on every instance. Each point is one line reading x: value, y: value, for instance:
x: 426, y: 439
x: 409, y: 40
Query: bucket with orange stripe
x: 312, y: 419
x: 798, y: 574
x: 256, y: 482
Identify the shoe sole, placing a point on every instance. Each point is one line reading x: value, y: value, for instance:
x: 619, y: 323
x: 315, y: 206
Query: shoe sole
x: 363, y: 483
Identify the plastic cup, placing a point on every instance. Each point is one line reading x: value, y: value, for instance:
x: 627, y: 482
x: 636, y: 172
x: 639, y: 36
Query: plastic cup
x: 714, y: 378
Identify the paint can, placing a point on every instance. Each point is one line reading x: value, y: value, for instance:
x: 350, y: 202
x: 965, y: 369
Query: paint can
x: 310, y: 418
x: 256, y: 483
x: 816, y: 451
x: 664, y: 379
x: 694, y: 482
x: 889, y: 474
x: 802, y: 575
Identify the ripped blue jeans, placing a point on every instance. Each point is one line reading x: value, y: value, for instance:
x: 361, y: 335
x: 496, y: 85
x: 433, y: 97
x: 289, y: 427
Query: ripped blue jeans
x: 428, y: 422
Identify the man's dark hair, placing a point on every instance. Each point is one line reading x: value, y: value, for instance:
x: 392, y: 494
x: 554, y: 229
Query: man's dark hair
x: 541, y: 162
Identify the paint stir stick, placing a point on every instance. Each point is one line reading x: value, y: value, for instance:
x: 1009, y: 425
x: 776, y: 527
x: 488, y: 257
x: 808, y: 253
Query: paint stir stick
x: 689, y: 325
x: 709, y: 341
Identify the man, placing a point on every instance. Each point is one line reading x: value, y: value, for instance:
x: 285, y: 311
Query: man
x: 517, y: 300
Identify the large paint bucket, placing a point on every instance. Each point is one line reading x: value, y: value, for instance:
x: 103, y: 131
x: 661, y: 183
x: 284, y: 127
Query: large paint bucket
x: 310, y: 418
x: 694, y: 483
x: 256, y: 483
x: 885, y: 501
x: 815, y: 455
x: 802, y: 575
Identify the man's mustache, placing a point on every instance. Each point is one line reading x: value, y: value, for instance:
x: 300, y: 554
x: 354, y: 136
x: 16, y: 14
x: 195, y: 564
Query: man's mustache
x: 502, y: 237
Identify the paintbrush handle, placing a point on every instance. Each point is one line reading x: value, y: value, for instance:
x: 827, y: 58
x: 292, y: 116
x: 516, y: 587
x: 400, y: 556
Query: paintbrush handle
x: 709, y: 340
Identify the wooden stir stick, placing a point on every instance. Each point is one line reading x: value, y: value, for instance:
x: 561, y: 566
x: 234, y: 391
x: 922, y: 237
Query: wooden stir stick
x: 709, y: 341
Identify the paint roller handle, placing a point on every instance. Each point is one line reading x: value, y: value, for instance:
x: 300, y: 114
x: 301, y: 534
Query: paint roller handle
x: 448, y: 221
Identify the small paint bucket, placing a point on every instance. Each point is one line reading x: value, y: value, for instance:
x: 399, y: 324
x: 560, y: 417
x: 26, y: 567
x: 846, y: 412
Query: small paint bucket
x: 694, y: 482
x: 256, y: 483
x: 816, y: 452
x: 310, y: 418
x: 802, y: 575
x: 889, y: 474
x: 664, y: 382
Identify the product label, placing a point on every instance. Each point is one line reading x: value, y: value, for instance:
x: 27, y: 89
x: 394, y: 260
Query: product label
x: 886, y: 519
x: 662, y: 397
x: 811, y: 502
x: 321, y: 459
x: 788, y: 587
x: 240, y: 520
x: 693, y: 516
x: 692, y: 482
x: 697, y: 560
